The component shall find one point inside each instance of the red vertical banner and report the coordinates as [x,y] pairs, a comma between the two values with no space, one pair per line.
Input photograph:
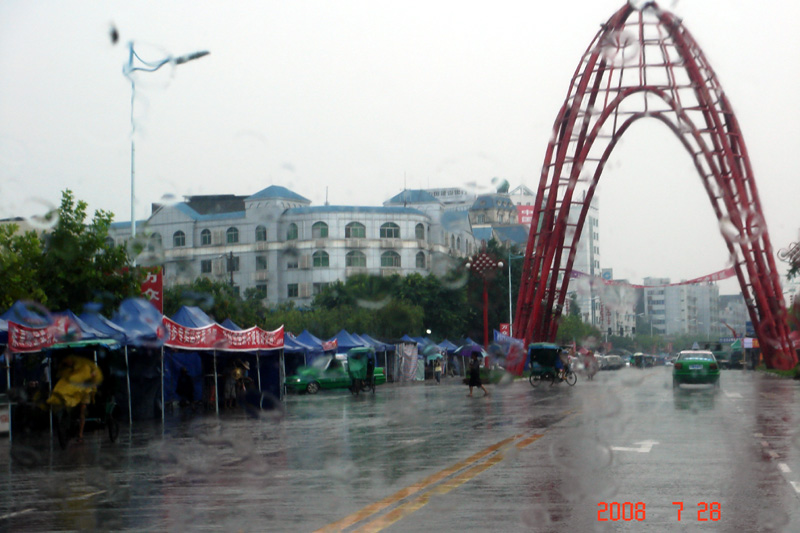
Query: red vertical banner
[153,287]
[505,329]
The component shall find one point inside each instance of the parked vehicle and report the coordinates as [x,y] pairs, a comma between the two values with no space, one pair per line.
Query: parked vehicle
[326,373]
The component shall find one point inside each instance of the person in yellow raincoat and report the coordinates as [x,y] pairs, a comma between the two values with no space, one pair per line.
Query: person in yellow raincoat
[78,379]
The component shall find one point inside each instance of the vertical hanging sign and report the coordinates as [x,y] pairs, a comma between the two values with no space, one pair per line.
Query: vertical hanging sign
[153,287]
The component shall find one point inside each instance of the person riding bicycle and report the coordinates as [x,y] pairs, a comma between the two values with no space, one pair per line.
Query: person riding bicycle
[77,384]
[561,363]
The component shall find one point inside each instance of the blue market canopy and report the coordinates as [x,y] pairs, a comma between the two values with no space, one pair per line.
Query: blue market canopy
[345,341]
[192,317]
[105,326]
[448,346]
[307,338]
[379,346]
[142,323]
[230,324]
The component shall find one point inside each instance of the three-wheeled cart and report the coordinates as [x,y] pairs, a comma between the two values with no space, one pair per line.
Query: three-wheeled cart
[361,369]
[543,357]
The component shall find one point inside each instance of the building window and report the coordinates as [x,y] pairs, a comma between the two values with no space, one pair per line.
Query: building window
[321,259]
[233,263]
[319,287]
[419,232]
[205,266]
[458,244]
[292,290]
[261,290]
[205,237]
[420,260]
[355,230]
[390,260]
[261,234]
[232,236]
[154,242]
[355,259]
[261,262]
[319,230]
[292,262]
[291,232]
[178,239]
[481,219]
[390,230]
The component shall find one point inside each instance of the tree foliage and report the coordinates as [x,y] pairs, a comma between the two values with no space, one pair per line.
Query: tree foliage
[68,266]
[20,259]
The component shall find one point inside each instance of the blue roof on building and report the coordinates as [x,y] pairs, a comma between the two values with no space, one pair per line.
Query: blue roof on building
[413,196]
[482,234]
[488,201]
[194,215]
[353,209]
[455,220]
[518,234]
[276,191]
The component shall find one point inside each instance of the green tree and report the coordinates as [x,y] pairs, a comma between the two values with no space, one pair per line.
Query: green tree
[81,264]
[68,266]
[572,328]
[20,257]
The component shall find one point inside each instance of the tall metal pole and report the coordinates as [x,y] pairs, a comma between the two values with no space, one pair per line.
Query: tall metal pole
[128,70]
[133,152]
[510,314]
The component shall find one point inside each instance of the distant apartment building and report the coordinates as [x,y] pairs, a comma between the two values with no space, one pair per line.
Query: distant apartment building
[277,244]
[675,309]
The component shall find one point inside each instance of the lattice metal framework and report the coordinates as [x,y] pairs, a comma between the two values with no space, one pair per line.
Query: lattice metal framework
[644,63]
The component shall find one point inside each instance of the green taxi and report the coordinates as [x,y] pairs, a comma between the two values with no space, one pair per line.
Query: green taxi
[325,373]
[695,367]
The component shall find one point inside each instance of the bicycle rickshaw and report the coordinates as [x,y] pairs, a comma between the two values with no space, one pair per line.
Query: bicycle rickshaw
[543,360]
[361,369]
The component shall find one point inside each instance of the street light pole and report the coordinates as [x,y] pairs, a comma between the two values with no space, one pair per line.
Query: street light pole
[482,264]
[128,69]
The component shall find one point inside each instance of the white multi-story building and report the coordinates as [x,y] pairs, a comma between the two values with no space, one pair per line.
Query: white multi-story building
[679,309]
[276,243]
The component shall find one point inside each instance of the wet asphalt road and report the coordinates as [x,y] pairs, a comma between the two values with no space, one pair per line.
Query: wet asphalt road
[625,448]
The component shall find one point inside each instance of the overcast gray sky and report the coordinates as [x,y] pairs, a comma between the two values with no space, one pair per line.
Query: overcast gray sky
[357,99]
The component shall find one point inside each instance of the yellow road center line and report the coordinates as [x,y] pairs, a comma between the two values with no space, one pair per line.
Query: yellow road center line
[413,506]
[374,508]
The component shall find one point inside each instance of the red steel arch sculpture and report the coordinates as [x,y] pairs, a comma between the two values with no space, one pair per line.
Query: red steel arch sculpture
[644,63]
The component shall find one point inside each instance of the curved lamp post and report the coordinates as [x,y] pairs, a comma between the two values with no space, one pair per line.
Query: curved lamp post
[146,66]
[483,265]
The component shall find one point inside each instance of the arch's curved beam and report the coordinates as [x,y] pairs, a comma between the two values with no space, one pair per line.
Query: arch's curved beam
[647,65]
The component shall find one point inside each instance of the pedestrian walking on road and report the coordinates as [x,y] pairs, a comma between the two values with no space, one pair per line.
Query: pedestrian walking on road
[437,371]
[475,375]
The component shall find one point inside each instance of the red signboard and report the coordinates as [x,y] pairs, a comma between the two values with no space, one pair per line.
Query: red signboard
[153,287]
[524,214]
[505,329]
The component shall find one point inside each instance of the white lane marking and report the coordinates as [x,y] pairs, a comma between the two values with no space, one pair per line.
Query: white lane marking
[765,444]
[644,447]
[11,515]
[773,454]
[732,394]
[758,435]
[796,486]
[784,468]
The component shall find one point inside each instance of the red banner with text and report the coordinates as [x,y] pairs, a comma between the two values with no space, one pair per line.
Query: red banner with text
[215,337]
